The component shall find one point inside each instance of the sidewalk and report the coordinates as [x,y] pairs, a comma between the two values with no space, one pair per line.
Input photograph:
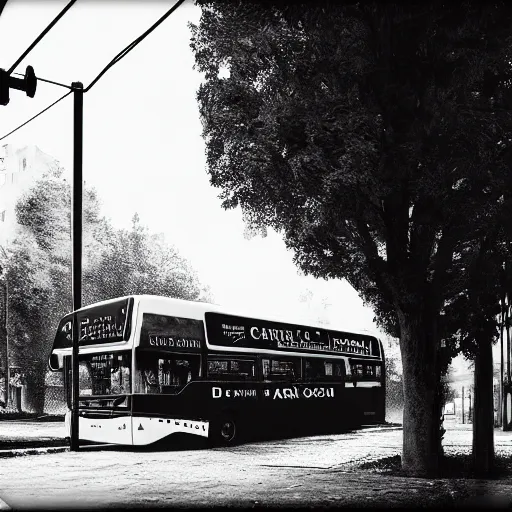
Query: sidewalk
[18,436]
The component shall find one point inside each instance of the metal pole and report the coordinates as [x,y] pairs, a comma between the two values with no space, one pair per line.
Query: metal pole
[78,112]
[5,336]
[502,401]
[7,373]
[463,404]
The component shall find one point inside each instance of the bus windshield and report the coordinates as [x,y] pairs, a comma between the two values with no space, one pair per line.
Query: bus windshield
[105,374]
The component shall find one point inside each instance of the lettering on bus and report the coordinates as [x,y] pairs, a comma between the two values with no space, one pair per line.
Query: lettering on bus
[235,332]
[302,339]
[227,330]
[295,392]
[233,393]
[97,324]
[170,333]
[363,347]
[156,340]
[101,328]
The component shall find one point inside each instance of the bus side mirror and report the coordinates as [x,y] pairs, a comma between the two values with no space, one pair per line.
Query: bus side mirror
[53,362]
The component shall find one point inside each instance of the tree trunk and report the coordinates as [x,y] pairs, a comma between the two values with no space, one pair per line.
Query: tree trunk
[421,422]
[483,424]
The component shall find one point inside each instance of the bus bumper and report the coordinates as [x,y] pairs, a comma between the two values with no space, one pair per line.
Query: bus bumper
[147,430]
[129,430]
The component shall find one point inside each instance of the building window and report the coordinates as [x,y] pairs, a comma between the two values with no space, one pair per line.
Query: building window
[24,163]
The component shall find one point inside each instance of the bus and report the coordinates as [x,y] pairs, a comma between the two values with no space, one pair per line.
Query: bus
[151,367]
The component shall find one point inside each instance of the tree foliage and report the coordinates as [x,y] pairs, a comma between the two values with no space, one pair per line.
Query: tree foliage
[116,262]
[375,137]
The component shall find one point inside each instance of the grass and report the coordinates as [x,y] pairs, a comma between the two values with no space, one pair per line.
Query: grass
[458,465]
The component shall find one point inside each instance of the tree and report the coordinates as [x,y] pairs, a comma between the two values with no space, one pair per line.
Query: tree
[115,263]
[373,136]
[136,261]
[473,323]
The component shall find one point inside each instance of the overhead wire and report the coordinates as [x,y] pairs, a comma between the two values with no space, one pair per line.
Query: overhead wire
[41,35]
[37,115]
[114,61]
[48,81]
[133,44]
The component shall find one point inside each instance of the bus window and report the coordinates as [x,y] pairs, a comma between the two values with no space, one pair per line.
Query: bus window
[104,374]
[366,371]
[231,369]
[316,369]
[165,373]
[281,369]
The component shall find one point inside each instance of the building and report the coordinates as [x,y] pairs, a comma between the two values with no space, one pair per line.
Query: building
[19,169]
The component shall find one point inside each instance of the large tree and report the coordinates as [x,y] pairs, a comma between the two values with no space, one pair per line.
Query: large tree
[115,263]
[373,136]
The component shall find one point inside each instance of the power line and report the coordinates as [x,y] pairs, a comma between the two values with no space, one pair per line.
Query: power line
[48,81]
[40,36]
[37,115]
[133,44]
[116,59]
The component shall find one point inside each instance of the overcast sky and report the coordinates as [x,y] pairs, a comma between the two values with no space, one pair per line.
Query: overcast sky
[143,149]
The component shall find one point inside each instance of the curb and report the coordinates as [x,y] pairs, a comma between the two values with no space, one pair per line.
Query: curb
[19,452]
[375,429]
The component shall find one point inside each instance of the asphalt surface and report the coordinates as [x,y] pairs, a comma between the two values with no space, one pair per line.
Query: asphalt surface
[315,471]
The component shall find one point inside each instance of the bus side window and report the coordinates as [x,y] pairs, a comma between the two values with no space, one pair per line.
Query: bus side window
[316,369]
[339,370]
[231,369]
[265,364]
[281,369]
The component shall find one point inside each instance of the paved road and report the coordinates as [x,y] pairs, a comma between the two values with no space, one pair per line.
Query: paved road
[307,470]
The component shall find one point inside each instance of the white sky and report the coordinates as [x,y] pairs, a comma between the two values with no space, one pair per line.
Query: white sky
[143,149]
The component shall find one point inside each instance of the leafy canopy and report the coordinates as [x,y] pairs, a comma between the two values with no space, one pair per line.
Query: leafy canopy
[374,136]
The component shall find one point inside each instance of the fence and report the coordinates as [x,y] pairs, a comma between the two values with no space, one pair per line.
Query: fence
[54,400]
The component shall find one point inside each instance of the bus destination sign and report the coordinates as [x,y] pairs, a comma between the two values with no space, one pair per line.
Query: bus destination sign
[100,324]
[171,333]
[227,330]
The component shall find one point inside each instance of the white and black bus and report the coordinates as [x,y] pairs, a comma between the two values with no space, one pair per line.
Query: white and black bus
[154,366]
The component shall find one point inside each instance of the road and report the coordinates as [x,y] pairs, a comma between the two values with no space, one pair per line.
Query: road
[311,470]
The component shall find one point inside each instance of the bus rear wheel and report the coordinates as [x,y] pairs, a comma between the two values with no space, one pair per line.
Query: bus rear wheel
[224,431]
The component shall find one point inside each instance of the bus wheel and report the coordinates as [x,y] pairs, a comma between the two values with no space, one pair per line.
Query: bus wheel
[224,431]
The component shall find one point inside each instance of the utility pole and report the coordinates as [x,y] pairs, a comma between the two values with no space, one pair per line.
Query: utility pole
[3,330]
[463,404]
[78,113]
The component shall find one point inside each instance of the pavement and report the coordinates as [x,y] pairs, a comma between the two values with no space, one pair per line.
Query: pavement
[31,437]
[313,471]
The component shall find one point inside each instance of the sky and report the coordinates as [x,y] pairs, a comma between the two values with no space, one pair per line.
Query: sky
[143,150]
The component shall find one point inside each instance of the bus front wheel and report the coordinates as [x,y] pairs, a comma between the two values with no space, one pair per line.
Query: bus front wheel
[224,431]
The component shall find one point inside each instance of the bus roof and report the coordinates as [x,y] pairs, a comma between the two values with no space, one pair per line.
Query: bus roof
[147,302]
